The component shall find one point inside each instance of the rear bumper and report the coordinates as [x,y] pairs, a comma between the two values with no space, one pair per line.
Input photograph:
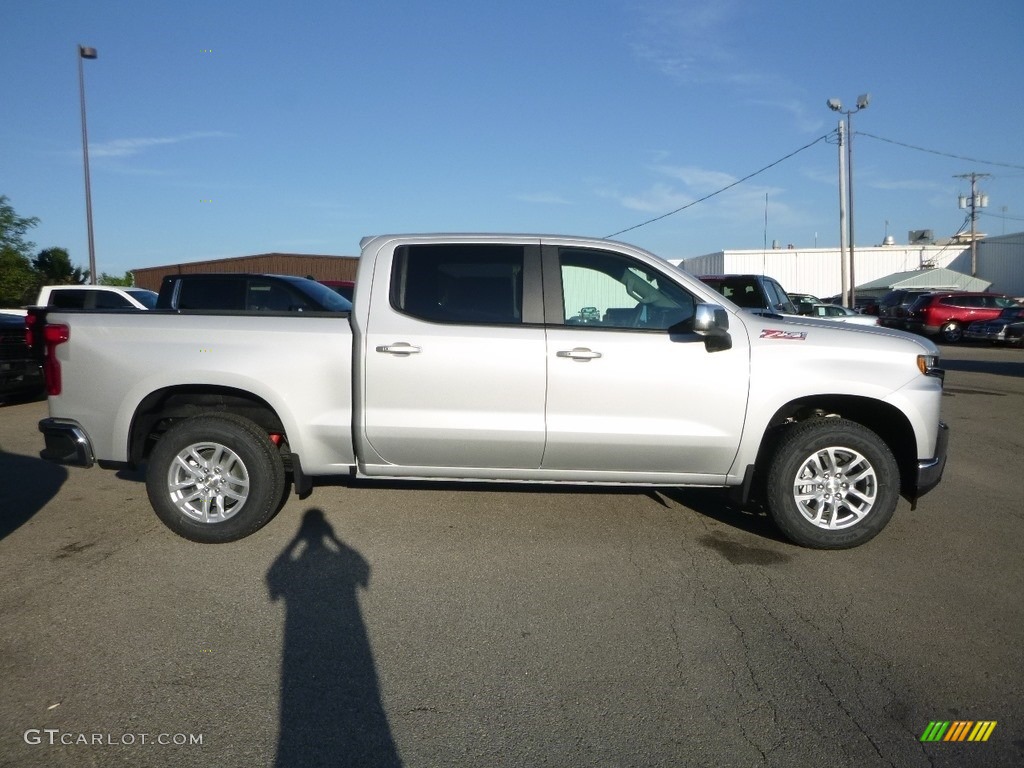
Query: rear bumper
[66,443]
[929,471]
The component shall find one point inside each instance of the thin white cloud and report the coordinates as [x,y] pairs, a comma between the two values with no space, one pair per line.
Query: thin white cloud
[131,147]
[913,185]
[687,184]
[543,198]
[701,179]
[868,179]
[657,199]
[693,42]
[686,40]
[805,120]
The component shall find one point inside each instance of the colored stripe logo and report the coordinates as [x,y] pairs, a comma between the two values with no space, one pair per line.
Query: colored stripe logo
[958,730]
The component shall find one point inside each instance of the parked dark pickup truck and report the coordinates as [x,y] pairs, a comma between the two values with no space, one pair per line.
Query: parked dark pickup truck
[246,292]
[21,374]
[758,293]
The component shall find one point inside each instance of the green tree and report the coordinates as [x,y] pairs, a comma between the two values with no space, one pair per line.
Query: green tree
[53,267]
[17,280]
[127,281]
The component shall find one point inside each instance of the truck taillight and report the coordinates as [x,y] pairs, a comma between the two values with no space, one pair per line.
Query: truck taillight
[53,336]
[30,327]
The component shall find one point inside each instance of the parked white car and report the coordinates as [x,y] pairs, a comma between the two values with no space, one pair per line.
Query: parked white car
[95,297]
[842,314]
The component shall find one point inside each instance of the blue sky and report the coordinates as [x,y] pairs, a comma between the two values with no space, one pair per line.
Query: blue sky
[225,128]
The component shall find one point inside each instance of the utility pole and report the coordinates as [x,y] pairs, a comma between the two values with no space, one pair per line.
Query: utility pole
[977,200]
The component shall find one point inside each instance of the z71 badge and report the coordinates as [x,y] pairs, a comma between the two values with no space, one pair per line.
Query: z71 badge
[784,335]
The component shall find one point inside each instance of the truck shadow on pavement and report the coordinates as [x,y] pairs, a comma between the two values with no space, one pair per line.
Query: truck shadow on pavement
[331,711]
[994,367]
[715,504]
[27,485]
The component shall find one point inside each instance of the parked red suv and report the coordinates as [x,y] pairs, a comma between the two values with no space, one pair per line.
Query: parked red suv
[946,314]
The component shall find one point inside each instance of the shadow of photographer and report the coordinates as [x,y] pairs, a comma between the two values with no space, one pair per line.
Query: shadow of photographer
[27,485]
[331,711]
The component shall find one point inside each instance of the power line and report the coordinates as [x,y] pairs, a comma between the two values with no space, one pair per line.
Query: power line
[943,154]
[723,189]
[988,215]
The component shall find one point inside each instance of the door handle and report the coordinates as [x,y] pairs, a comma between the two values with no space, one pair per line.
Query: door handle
[400,348]
[579,354]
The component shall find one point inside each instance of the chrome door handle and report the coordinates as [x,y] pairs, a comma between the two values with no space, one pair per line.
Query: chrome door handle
[401,348]
[579,354]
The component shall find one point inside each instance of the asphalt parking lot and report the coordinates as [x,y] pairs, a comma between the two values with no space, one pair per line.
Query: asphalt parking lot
[381,625]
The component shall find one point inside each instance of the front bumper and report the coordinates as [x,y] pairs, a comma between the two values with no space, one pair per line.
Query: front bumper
[929,471]
[66,443]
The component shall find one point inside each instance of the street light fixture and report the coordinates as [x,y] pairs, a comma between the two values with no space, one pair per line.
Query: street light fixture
[86,53]
[837,106]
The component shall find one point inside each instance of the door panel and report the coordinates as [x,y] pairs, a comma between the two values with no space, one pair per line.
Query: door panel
[453,377]
[630,387]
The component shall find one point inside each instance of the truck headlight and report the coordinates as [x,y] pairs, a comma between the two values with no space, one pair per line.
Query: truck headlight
[929,366]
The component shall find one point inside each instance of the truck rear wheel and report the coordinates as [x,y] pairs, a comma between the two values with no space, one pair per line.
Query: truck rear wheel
[833,484]
[215,478]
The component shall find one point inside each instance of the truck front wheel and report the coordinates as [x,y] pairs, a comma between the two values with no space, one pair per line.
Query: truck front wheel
[215,478]
[833,484]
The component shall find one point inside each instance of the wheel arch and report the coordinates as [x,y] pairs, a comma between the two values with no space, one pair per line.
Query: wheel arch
[885,420]
[162,408]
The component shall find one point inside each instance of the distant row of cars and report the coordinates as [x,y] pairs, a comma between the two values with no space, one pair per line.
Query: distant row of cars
[951,316]
[761,294]
[954,316]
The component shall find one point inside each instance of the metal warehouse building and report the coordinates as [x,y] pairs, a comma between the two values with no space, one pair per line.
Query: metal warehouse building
[301,265]
[818,271]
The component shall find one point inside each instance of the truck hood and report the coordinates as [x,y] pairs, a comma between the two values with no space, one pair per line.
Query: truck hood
[768,329]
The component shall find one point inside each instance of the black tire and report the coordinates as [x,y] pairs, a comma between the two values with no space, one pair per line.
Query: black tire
[215,478]
[951,332]
[810,494]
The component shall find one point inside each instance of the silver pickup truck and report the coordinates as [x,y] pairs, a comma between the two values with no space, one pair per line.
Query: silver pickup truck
[500,358]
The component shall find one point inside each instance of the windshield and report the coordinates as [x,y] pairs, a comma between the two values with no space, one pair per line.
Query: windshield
[322,295]
[144,297]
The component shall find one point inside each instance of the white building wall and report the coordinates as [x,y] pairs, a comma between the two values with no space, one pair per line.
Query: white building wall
[709,264]
[1001,260]
[818,271]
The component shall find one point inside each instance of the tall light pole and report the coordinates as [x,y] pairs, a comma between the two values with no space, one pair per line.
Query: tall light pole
[844,257]
[837,106]
[86,53]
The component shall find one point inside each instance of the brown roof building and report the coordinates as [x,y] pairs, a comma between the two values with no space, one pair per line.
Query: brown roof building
[301,265]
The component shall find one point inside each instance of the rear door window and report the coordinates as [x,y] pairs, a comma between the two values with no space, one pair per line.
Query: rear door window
[461,283]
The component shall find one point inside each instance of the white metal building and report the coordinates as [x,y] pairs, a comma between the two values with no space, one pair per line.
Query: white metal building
[1001,260]
[818,271]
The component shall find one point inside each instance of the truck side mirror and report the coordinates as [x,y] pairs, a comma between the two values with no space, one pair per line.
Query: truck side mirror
[712,322]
